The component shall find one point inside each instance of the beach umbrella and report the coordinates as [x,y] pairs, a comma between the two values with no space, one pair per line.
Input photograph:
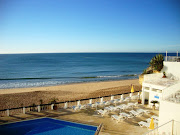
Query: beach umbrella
[151,126]
[132,89]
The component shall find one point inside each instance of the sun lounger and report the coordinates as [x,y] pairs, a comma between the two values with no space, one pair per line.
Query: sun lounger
[110,108]
[116,101]
[130,105]
[144,111]
[140,111]
[107,103]
[125,115]
[149,120]
[136,104]
[82,107]
[117,118]
[134,97]
[122,107]
[155,117]
[127,99]
[75,108]
[143,124]
[102,103]
[102,112]
[134,113]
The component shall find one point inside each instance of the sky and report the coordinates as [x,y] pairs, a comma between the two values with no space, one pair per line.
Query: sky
[47,26]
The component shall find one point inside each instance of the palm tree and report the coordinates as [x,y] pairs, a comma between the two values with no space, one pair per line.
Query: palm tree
[157,62]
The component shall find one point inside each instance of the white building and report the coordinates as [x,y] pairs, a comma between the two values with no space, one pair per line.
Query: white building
[167,92]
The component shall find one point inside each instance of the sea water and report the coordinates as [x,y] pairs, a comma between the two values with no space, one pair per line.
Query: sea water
[46,69]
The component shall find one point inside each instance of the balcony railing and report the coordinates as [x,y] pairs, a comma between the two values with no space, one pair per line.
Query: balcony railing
[169,128]
[172,58]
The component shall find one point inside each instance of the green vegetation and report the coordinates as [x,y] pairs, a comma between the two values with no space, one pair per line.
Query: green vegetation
[156,63]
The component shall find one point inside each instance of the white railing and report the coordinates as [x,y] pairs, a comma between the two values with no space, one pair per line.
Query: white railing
[170,128]
[172,58]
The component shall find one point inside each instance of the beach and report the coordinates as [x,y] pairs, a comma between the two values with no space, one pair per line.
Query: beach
[11,98]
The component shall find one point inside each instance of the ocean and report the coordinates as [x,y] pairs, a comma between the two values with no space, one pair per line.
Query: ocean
[46,69]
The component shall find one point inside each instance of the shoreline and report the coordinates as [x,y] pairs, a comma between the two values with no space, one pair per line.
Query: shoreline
[12,98]
[45,88]
[72,83]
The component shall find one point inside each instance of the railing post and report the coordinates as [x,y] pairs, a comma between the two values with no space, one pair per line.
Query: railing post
[24,110]
[122,96]
[101,100]
[65,105]
[78,103]
[90,101]
[52,105]
[172,126]
[7,112]
[112,97]
[39,108]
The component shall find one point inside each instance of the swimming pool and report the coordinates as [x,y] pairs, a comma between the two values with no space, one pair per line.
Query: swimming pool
[47,126]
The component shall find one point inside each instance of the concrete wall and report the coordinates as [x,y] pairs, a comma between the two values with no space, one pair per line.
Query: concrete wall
[168,111]
[172,68]
[152,95]
[150,77]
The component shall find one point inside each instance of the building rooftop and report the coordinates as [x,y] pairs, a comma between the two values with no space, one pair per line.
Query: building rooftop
[163,82]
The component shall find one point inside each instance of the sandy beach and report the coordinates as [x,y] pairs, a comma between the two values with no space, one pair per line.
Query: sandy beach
[10,98]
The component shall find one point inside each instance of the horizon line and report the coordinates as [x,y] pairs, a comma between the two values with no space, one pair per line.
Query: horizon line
[85,52]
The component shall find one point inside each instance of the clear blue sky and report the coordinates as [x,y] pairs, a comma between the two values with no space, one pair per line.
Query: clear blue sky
[32,26]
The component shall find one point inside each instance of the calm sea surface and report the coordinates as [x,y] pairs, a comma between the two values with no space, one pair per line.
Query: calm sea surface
[32,70]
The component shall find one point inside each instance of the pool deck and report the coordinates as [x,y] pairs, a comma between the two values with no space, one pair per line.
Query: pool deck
[89,116]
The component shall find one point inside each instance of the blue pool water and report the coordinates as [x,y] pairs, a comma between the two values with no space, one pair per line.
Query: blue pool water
[46,126]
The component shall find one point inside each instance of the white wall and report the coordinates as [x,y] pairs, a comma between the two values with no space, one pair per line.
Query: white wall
[168,111]
[172,68]
[150,77]
[152,94]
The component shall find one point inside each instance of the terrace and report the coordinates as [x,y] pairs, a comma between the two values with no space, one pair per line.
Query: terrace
[89,115]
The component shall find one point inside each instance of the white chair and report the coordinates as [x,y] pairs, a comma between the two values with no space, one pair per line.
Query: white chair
[143,124]
[149,120]
[134,97]
[126,116]
[130,105]
[82,107]
[117,118]
[107,103]
[75,108]
[155,117]
[122,107]
[143,111]
[102,112]
[134,113]
[127,99]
